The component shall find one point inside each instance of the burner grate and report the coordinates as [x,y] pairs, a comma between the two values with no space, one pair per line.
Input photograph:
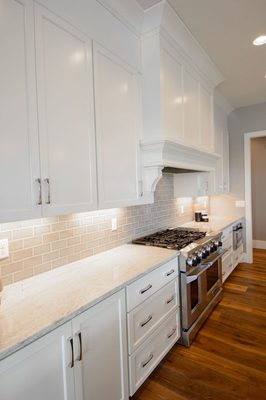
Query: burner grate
[175,239]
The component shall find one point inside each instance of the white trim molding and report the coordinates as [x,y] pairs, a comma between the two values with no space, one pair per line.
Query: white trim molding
[259,244]
[248,192]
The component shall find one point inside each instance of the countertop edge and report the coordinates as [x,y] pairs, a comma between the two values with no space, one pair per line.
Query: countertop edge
[57,323]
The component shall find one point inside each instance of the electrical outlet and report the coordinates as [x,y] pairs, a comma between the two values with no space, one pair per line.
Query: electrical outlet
[182,209]
[4,251]
[240,203]
[114,224]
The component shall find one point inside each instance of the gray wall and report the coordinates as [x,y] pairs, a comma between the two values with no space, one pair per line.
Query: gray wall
[240,121]
[258,178]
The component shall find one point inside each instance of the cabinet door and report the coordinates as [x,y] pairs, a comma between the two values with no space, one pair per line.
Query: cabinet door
[19,149]
[222,148]
[206,119]
[66,115]
[118,124]
[41,370]
[100,345]
[172,102]
[191,109]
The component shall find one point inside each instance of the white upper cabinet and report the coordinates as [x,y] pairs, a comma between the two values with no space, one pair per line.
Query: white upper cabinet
[19,149]
[66,115]
[118,124]
[222,148]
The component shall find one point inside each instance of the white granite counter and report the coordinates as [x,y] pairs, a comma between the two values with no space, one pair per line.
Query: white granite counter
[215,223]
[35,306]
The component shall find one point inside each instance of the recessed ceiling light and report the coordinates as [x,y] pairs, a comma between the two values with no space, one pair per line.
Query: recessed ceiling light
[260,40]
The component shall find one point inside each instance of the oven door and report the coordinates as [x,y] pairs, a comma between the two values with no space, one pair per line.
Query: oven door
[192,297]
[213,278]
[199,287]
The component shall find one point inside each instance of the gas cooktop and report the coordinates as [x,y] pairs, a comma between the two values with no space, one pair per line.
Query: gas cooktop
[175,239]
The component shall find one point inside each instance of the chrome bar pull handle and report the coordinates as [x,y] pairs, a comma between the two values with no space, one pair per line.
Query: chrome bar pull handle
[145,289]
[171,333]
[170,272]
[141,188]
[146,321]
[47,181]
[39,182]
[71,365]
[170,300]
[80,347]
[144,363]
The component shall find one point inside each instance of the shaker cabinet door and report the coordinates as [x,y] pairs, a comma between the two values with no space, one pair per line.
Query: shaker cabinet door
[19,149]
[41,370]
[101,351]
[118,123]
[66,115]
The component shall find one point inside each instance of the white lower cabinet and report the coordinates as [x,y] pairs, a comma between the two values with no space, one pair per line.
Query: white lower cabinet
[147,357]
[83,359]
[101,351]
[232,257]
[40,371]
[153,321]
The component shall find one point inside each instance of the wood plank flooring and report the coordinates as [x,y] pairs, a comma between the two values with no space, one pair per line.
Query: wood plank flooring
[227,360]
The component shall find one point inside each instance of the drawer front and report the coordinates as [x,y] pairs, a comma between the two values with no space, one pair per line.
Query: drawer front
[227,233]
[144,287]
[238,255]
[228,245]
[143,361]
[227,266]
[144,319]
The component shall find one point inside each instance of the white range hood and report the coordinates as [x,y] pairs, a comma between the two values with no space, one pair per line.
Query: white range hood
[164,36]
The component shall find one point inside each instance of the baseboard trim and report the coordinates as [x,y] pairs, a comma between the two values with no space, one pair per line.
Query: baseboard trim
[259,244]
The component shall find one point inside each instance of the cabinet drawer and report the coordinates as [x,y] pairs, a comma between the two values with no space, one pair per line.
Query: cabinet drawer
[227,266]
[147,357]
[227,233]
[144,287]
[145,318]
[228,246]
[238,255]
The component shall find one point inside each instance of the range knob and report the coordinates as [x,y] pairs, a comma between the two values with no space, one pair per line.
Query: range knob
[199,256]
[189,261]
[213,246]
[205,252]
[208,249]
[192,261]
[218,243]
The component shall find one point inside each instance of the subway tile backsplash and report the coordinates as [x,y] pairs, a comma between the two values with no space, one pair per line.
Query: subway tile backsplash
[39,245]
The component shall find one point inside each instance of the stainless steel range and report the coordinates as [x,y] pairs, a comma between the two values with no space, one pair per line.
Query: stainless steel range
[200,273]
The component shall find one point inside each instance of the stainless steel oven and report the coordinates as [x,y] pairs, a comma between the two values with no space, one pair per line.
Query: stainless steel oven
[201,289]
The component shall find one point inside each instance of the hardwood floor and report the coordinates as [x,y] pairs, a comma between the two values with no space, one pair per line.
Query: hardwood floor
[227,360]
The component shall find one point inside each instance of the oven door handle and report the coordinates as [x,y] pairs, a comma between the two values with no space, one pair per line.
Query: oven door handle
[194,277]
[204,267]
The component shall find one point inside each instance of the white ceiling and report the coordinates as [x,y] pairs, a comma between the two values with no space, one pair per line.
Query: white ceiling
[226,29]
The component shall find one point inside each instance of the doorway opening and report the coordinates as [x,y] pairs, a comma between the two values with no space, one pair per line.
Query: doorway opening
[248,191]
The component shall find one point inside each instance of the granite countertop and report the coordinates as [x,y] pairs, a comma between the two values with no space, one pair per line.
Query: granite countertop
[35,306]
[216,223]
